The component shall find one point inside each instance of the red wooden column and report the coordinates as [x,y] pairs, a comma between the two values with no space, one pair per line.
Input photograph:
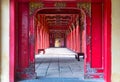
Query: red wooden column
[36,43]
[68,40]
[47,39]
[31,49]
[72,44]
[76,41]
[74,38]
[78,36]
[31,40]
[88,38]
[71,40]
[36,39]
[13,48]
[43,38]
[23,39]
[40,37]
[25,59]
[107,40]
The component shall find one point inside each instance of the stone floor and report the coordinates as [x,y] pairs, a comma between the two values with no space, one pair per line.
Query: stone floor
[59,65]
[60,80]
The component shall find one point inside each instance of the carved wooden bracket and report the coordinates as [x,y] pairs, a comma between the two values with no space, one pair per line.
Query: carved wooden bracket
[60,4]
[86,7]
[34,5]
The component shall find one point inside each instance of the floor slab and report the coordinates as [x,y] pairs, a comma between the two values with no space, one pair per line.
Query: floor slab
[60,63]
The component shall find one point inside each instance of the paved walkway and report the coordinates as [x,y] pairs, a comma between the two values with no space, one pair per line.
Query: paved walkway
[60,80]
[59,65]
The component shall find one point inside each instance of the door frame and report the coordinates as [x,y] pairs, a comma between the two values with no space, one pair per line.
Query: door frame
[107,38]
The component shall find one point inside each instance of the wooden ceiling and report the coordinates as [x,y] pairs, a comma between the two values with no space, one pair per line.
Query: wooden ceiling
[58,21]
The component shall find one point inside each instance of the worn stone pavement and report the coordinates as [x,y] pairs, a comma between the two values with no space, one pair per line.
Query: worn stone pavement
[59,65]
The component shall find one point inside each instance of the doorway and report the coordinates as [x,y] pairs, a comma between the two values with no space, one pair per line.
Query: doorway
[91,70]
[61,33]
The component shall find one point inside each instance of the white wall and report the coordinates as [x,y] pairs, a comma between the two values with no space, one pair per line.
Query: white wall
[4,40]
[115,40]
[0,40]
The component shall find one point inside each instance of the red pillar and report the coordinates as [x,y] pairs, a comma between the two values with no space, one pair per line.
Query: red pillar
[74,39]
[43,38]
[78,38]
[12,41]
[23,37]
[25,44]
[40,37]
[71,40]
[36,39]
[88,38]
[73,32]
[68,40]
[107,39]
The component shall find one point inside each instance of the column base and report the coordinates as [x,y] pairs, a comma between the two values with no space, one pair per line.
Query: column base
[93,73]
[26,73]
